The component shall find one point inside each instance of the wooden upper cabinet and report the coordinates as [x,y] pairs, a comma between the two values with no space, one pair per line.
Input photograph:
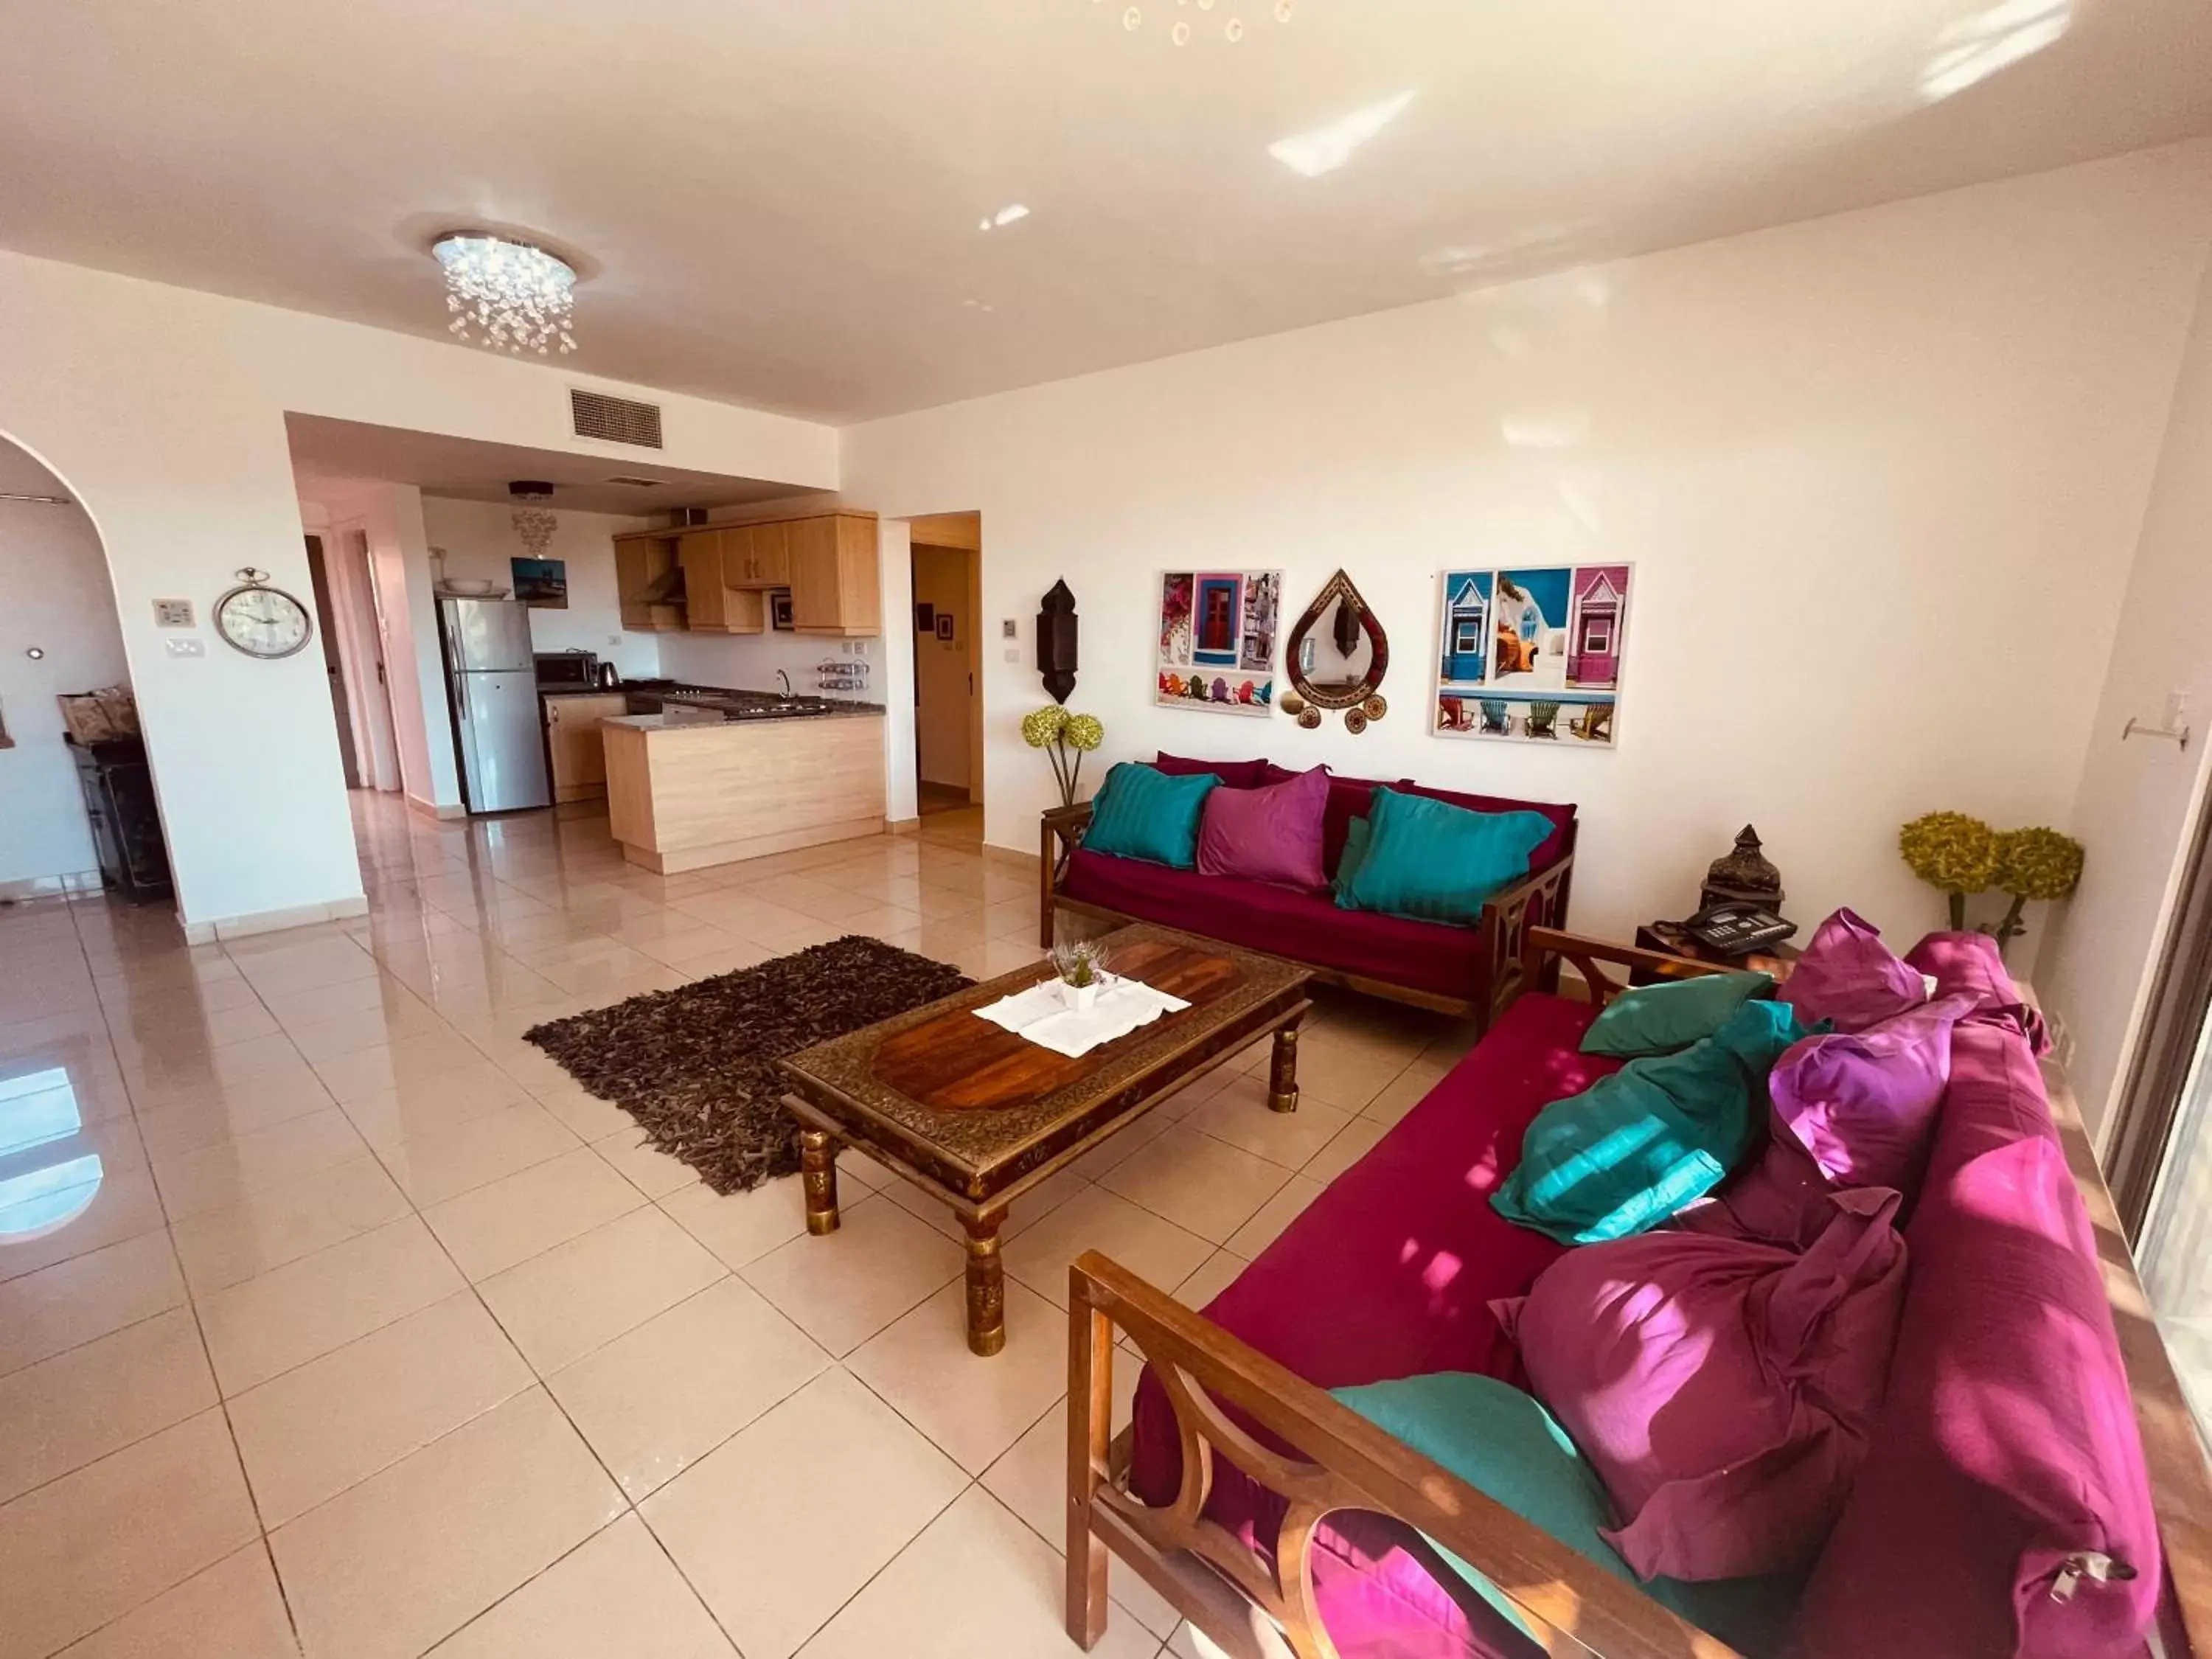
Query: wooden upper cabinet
[701,552]
[771,554]
[833,587]
[640,563]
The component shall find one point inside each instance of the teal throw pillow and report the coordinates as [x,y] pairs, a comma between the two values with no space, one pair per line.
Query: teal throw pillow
[1504,1444]
[1141,812]
[1659,1134]
[1349,860]
[1657,1019]
[1433,861]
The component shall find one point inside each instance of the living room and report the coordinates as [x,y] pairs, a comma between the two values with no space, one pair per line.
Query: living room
[1829,395]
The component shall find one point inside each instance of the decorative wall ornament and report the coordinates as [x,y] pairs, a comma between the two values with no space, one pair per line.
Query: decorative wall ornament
[1056,639]
[505,294]
[1531,653]
[1216,640]
[1337,658]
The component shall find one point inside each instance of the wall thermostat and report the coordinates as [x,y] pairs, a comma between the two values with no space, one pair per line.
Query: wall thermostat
[173,613]
[1010,629]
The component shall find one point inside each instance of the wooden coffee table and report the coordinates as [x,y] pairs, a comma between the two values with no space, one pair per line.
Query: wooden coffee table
[976,1116]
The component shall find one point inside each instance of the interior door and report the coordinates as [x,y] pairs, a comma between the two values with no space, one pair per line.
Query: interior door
[333,668]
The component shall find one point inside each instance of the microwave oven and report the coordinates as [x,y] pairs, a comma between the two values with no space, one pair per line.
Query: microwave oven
[567,671]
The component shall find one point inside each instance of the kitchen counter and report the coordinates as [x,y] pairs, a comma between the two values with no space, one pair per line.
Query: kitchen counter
[676,714]
[692,786]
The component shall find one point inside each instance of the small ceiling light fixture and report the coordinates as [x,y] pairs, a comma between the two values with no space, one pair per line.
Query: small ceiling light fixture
[508,294]
[534,524]
[1182,31]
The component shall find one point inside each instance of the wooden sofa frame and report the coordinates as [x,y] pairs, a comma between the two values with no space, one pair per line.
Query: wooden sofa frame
[1508,916]
[1255,1610]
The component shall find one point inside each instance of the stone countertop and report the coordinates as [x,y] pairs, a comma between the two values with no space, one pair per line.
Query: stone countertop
[682,717]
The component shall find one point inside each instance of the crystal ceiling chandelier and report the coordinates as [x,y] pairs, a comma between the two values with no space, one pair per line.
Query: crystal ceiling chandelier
[508,294]
[1183,29]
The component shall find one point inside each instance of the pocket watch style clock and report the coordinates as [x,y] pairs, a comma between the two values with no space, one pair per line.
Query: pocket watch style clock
[262,621]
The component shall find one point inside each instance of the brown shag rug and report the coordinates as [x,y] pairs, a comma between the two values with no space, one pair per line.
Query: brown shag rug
[695,1067]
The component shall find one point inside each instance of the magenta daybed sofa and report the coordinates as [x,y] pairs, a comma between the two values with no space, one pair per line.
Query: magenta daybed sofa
[2003,1510]
[1465,970]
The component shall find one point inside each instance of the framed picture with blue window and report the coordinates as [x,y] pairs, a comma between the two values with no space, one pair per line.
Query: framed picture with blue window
[1531,653]
[1216,640]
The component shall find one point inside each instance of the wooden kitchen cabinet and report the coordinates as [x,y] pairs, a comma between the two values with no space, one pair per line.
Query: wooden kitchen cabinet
[833,587]
[713,561]
[756,556]
[578,752]
[640,562]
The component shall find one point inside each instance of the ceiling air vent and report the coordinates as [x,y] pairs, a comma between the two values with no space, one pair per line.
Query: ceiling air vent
[634,481]
[615,420]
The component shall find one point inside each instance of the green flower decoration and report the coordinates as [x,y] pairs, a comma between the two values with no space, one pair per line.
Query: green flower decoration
[1085,732]
[2037,864]
[1950,851]
[1041,727]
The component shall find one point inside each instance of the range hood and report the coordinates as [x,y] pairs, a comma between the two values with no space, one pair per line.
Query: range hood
[667,589]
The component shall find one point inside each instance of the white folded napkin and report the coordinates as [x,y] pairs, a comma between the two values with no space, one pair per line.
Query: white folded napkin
[1041,1016]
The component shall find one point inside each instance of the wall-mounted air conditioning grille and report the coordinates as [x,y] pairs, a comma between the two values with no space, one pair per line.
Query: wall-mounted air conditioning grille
[615,420]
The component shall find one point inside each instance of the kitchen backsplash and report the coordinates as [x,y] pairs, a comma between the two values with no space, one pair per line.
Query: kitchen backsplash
[748,662]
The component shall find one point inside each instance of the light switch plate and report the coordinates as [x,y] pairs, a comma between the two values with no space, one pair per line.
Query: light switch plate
[1010,629]
[1014,653]
[191,648]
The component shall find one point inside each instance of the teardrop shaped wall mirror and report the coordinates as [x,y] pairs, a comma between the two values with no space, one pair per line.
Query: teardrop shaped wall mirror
[1337,657]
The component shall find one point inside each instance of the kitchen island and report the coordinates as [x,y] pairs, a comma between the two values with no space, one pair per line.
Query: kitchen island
[693,787]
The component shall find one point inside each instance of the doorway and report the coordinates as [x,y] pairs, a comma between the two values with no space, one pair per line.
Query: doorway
[333,668]
[947,553]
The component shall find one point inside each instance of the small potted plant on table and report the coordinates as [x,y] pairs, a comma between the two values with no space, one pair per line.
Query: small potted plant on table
[1082,967]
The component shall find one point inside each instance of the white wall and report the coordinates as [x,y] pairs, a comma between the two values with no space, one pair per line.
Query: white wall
[1880,476]
[2136,796]
[748,662]
[480,539]
[163,412]
[54,597]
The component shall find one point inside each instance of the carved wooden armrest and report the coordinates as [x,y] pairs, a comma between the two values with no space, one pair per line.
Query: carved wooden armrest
[1586,954]
[1508,914]
[1343,1461]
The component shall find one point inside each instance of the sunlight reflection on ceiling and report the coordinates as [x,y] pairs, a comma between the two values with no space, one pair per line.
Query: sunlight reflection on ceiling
[1327,148]
[1975,48]
[46,1177]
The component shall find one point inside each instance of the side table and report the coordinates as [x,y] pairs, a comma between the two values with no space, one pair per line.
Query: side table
[1668,936]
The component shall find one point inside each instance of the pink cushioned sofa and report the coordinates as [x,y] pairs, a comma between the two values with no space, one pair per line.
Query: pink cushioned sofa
[1465,971]
[2006,1506]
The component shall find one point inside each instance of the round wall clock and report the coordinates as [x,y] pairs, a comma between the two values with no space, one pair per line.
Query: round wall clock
[262,621]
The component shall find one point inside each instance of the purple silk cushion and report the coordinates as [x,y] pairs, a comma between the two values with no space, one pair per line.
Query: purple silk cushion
[1722,1389]
[1850,978]
[2007,1441]
[1970,964]
[1863,1104]
[1234,774]
[1268,834]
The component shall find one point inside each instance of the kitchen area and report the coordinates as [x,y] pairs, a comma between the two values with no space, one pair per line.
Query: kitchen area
[692,771]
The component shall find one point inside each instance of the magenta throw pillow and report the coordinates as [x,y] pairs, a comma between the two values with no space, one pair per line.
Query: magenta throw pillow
[1863,1104]
[1970,964]
[1234,774]
[1850,978]
[1270,833]
[1722,1389]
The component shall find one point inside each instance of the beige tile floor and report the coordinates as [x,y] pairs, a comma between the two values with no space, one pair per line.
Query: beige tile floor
[334,1321]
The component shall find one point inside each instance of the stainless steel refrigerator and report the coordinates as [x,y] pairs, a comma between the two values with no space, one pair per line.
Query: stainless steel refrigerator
[491,683]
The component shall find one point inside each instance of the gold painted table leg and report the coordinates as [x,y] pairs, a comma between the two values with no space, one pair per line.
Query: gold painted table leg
[1283,1072]
[987,1287]
[817,1162]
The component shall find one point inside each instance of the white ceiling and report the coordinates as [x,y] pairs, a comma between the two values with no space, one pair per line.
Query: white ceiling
[324,450]
[776,202]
